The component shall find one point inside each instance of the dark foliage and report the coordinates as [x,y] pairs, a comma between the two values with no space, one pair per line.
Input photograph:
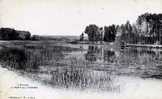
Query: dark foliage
[96,33]
[12,34]
[109,33]
[93,32]
[82,37]
[13,57]
[153,24]
[147,30]
[8,34]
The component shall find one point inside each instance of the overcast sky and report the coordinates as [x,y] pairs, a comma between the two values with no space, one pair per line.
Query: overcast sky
[70,17]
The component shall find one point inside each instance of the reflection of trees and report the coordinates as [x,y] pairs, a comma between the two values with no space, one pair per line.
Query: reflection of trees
[141,62]
[140,56]
[92,53]
[144,62]
[109,56]
[95,53]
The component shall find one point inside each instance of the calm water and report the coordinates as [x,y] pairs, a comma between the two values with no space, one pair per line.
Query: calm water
[81,67]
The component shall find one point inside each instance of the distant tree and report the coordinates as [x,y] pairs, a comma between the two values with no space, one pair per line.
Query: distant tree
[123,29]
[12,34]
[35,37]
[110,33]
[8,34]
[129,33]
[101,36]
[128,27]
[82,37]
[153,26]
[93,32]
[147,29]
[134,29]
[24,35]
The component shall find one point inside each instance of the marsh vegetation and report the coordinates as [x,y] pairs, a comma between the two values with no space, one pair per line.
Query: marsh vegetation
[80,66]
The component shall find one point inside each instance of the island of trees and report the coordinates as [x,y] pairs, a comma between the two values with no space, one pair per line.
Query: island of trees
[146,30]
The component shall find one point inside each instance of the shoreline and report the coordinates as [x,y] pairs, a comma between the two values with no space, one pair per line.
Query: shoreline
[144,45]
[134,88]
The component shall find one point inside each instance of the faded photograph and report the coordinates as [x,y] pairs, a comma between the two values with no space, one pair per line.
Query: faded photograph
[80,49]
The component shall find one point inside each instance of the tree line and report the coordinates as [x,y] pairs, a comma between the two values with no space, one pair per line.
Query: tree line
[95,33]
[146,30]
[12,34]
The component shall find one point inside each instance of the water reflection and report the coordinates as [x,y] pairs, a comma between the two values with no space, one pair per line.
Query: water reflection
[142,62]
[47,63]
[99,54]
[93,53]
[140,56]
[109,56]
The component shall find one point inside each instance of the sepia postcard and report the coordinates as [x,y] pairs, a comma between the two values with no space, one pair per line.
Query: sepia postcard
[80,49]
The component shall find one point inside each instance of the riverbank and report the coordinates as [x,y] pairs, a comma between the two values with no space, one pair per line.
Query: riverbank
[144,45]
[14,85]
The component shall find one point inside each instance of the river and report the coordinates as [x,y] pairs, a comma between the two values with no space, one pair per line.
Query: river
[47,71]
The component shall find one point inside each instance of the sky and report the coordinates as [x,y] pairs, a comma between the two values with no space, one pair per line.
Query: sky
[70,17]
